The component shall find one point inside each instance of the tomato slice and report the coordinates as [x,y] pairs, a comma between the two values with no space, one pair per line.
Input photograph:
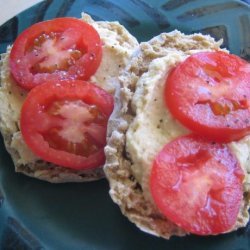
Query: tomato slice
[58,49]
[209,93]
[65,123]
[197,185]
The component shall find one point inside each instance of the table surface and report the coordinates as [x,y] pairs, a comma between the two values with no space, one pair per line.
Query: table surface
[13,7]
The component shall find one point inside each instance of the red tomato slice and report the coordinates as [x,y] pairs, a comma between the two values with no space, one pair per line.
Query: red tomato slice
[197,185]
[65,123]
[209,93]
[59,49]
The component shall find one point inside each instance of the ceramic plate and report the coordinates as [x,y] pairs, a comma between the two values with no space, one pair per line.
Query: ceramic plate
[39,215]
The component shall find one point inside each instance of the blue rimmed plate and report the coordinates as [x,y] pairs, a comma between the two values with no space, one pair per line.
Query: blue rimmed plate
[39,215]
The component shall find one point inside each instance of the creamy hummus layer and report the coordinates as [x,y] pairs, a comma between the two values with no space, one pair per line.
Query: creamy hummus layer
[154,126]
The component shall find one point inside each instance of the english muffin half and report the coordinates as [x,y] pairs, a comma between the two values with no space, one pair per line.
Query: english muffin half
[141,125]
[117,46]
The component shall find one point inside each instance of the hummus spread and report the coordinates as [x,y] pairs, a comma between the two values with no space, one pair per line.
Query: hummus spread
[154,126]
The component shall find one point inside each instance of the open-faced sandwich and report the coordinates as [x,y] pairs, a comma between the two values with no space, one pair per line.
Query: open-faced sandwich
[178,150]
[56,95]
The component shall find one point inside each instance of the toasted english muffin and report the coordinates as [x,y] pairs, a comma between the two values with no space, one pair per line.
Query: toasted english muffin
[136,122]
[118,45]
